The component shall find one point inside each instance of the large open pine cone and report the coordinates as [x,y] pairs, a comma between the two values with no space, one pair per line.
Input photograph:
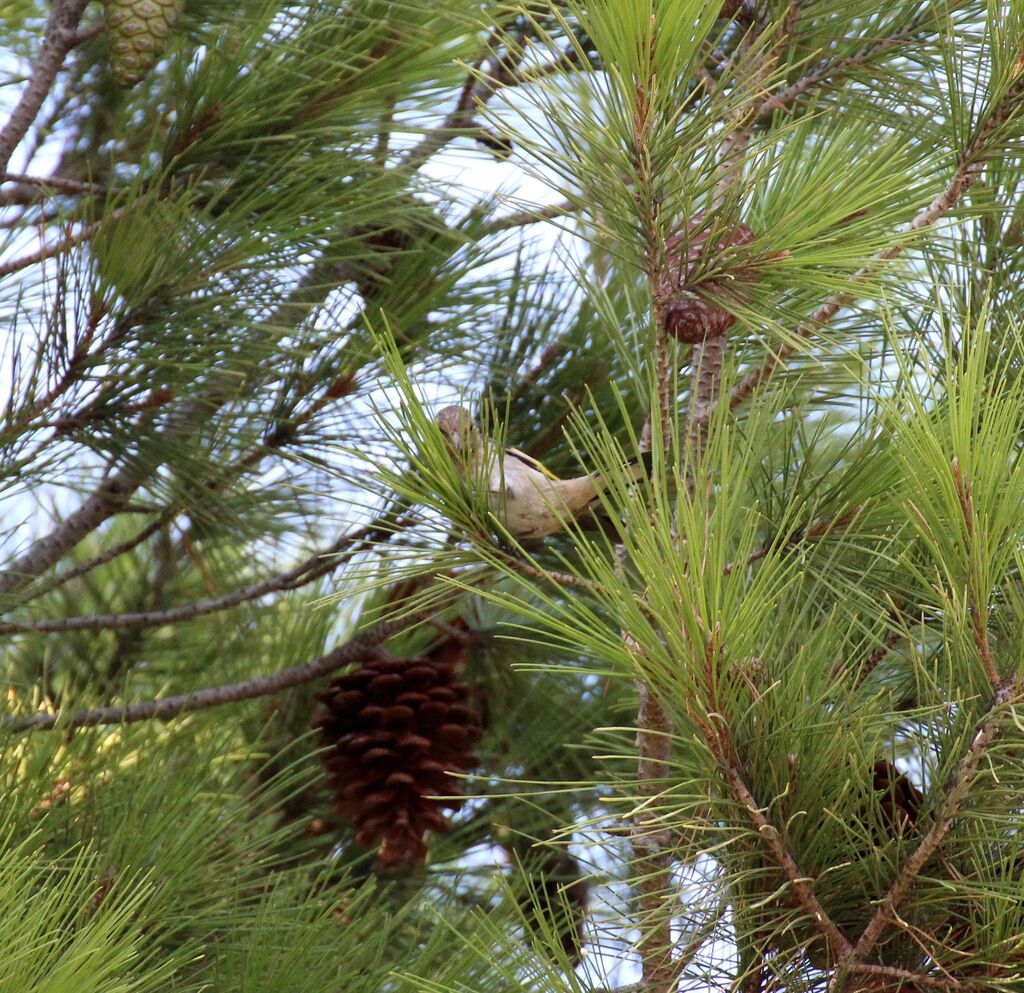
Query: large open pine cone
[395,729]
[688,316]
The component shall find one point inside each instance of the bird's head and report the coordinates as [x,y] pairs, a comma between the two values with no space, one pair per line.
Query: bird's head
[457,428]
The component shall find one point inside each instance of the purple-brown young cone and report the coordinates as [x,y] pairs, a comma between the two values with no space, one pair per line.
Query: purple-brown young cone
[688,316]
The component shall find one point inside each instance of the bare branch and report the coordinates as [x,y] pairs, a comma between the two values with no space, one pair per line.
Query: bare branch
[311,568]
[52,183]
[91,513]
[59,38]
[353,650]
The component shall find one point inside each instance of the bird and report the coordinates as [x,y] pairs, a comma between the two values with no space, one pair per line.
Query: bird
[527,498]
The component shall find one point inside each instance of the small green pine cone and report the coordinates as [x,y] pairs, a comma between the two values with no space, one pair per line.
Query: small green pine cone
[137,32]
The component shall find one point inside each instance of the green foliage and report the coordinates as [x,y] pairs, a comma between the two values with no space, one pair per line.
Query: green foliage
[763,721]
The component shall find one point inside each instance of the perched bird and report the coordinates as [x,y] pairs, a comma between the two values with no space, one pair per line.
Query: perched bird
[528,499]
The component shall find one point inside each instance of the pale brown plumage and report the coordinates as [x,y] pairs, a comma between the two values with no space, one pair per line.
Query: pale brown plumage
[529,500]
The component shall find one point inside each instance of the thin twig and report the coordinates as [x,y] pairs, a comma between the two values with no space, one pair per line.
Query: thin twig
[59,183]
[67,242]
[966,173]
[353,650]
[904,978]
[102,559]
[90,514]
[59,38]
[311,568]
[564,579]
[532,215]
[477,88]
[784,98]
[114,493]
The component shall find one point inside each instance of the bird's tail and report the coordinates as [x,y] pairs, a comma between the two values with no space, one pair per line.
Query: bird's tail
[638,468]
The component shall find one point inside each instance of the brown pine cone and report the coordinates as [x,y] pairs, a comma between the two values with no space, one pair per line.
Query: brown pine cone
[394,729]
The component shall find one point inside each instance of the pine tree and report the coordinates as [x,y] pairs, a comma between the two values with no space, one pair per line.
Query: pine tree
[288,709]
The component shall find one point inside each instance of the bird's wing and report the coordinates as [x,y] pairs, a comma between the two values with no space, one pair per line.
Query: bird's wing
[528,460]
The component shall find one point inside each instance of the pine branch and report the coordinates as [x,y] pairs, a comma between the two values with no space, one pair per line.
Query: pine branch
[109,555]
[353,650]
[475,93]
[316,565]
[784,98]
[798,880]
[64,244]
[971,164]
[59,38]
[108,499]
[114,493]
[821,529]
[522,218]
[709,356]
[900,889]
[47,185]
[902,978]
[650,841]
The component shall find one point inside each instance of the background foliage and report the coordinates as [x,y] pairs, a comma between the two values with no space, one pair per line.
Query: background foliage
[760,734]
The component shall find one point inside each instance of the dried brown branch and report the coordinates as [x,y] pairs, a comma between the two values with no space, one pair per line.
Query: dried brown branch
[59,38]
[956,794]
[968,170]
[353,650]
[319,563]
